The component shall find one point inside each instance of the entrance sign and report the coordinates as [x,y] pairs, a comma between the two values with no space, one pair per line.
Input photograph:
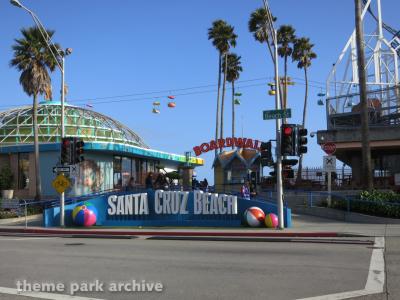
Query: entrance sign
[329,164]
[329,148]
[277,114]
[61,183]
[164,208]
[227,142]
[172,203]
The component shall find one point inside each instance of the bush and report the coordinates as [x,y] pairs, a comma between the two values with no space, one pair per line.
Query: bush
[6,178]
[375,203]
[5,214]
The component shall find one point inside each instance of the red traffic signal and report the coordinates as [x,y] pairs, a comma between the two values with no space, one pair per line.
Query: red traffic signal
[288,139]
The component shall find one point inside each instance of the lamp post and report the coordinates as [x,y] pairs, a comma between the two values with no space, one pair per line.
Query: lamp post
[279,188]
[59,56]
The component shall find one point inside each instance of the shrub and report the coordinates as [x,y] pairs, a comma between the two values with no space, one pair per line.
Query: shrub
[6,178]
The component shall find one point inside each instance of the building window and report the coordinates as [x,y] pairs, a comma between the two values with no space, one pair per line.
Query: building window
[23,171]
[126,171]
[117,172]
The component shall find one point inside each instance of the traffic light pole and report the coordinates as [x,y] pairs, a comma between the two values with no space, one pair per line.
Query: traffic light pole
[279,187]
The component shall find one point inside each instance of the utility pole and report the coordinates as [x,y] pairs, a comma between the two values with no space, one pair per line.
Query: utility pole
[366,173]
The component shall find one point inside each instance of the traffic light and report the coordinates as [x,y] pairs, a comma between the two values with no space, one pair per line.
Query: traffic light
[288,140]
[78,151]
[301,141]
[66,151]
[266,154]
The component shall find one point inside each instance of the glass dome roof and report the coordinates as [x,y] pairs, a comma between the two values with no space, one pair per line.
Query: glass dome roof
[16,126]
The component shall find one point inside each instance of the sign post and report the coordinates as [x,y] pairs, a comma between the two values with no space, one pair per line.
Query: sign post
[329,165]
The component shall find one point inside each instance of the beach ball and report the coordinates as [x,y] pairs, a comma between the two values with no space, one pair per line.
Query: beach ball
[271,221]
[254,216]
[84,214]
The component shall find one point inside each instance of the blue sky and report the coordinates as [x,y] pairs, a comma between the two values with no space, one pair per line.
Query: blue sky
[136,47]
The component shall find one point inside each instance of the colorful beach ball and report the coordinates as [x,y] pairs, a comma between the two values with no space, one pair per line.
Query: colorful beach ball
[271,221]
[85,214]
[254,216]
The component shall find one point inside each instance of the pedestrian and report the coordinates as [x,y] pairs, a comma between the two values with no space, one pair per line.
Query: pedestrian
[205,185]
[149,181]
[245,191]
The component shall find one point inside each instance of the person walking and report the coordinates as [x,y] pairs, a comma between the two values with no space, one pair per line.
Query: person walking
[245,191]
[149,181]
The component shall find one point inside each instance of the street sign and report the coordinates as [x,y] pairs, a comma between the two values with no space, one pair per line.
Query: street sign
[61,183]
[329,148]
[61,169]
[329,164]
[277,114]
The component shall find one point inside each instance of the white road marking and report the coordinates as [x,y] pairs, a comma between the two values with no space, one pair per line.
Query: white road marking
[40,295]
[375,280]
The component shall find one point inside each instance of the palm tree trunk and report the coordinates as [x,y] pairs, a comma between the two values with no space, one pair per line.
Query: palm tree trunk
[223,99]
[298,179]
[38,194]
[217,118]
[285,85]
[366,173]
[233,113]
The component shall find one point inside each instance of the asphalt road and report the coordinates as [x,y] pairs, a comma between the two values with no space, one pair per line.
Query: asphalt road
[187,269]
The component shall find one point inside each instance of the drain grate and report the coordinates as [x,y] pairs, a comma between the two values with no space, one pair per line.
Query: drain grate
[74,244]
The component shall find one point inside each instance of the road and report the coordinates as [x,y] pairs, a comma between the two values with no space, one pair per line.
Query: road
[188,269]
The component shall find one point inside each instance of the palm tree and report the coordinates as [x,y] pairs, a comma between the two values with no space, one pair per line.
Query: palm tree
[286,37]
[33,59]
[233,70]
[257,25]
[303,54]
[223,37]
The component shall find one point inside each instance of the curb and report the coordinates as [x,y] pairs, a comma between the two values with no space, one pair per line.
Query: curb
[127,234]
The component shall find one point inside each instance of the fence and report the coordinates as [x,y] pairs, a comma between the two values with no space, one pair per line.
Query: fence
[349,202]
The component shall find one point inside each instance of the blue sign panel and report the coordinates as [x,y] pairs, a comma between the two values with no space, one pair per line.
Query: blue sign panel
[163,208]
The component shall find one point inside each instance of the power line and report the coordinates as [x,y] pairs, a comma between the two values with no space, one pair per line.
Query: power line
[156,94]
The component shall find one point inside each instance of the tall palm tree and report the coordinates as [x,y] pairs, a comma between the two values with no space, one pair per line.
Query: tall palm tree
[223,37]
[303,54]
[257,25]
[33,59]
[286,37]
[233,68]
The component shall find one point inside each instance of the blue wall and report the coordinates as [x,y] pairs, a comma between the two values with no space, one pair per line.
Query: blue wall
[51,215]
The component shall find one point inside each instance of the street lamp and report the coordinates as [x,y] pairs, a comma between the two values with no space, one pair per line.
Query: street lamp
[59,56]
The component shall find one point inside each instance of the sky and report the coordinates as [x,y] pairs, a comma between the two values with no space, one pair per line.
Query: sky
[128,54]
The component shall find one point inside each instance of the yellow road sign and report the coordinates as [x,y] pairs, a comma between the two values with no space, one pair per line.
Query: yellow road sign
[61,183]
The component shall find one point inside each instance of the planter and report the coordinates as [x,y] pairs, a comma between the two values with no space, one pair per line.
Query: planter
[7,194]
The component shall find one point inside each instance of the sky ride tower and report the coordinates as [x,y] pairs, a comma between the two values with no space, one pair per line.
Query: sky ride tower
[382,52]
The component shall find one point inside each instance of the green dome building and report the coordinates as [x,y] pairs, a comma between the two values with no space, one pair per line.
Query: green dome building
[113,153]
